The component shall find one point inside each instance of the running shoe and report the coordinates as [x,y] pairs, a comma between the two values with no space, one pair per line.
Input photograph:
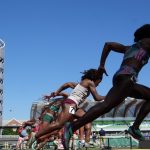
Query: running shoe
[67,135]
[40,145]
[81,145]
[87,145]
[34,145]
[31,140]
[136,133]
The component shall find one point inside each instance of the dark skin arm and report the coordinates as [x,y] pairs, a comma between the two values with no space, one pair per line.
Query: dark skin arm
[92,89]
[29,123]
[94,92]
[65,86]
[47,97]
[62,88]
[117,47]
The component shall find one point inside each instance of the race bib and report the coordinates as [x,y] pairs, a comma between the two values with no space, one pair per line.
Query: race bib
[71,110]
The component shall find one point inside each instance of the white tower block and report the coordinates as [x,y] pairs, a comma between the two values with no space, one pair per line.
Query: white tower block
[2,45]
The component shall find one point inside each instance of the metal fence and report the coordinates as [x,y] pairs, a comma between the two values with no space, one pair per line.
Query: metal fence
[107,142]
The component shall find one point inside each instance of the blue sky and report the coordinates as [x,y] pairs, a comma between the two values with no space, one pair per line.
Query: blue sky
[49,42]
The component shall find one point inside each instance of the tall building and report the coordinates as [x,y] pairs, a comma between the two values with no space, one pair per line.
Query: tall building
[2,45]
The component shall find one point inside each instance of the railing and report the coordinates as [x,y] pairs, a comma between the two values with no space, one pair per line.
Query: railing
[9,141]
[9,136]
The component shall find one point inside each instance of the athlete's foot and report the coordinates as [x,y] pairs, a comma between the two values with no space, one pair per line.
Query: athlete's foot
[34,145]
[136,133]
[87,145]
[41,145]
[67,135]
[81,145]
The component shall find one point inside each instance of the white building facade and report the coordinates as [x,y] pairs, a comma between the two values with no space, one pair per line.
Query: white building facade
[2,45]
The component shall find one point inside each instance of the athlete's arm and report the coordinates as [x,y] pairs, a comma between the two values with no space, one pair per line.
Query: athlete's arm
[65,95]
[66,86]
[53,94]
[59,91]
[117,47]
[94,92]
[29,123]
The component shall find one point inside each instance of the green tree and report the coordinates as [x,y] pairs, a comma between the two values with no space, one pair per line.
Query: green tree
[9,131]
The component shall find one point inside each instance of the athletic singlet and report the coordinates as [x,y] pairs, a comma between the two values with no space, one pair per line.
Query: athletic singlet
[79,94]
[54,108]
[137,52]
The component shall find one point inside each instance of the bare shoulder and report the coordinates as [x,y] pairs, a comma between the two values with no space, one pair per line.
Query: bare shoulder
[91,83]
[72,84]
[87,83]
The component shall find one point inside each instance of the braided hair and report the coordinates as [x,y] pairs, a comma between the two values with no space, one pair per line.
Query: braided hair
[142,32]
[91,74]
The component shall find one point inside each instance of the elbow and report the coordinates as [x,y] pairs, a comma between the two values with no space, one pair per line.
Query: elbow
[108,45]
[97,99]
[100,98]
[66,85]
